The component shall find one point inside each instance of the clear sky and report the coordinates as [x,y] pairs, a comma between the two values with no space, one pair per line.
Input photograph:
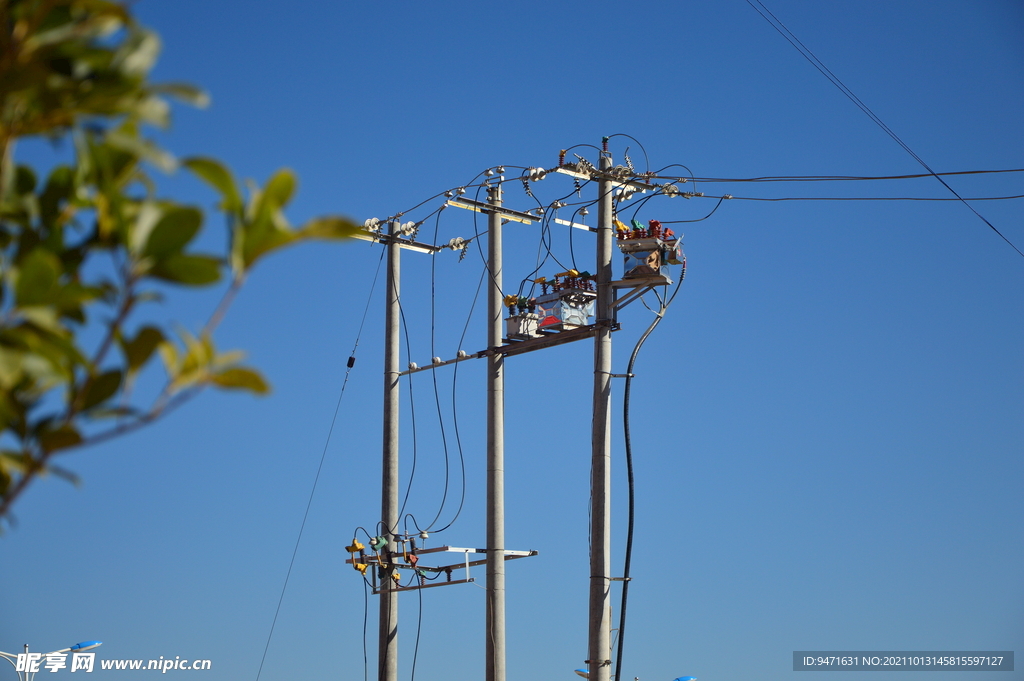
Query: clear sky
[827,427]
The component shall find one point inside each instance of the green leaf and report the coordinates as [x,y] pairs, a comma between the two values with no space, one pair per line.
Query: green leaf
[257,244]
[218,177]
[59,438]
[280,188]
[183,92]
[139,349]
[173,232]
[329,227]
[37,278]
[241,378]
[100,389]
[59,188]
[191,270]
[24,180]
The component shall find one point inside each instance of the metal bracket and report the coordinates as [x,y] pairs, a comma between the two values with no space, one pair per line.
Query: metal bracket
[403,243]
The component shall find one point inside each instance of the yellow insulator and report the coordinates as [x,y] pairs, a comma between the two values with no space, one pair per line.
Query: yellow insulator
[511,299]
[356,546]
[620,226]
[568,273]
[361,567]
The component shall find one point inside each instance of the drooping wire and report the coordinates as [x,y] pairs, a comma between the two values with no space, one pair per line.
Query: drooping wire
[412,418]
[629,475]
[419,626]
[647,160]
[806,53]
[455,411]
[366,608]
[351,363]
[676,222]
[433,375]
[833,178]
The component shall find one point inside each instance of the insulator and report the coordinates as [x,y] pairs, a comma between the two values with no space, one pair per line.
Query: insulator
[436,360]
[413,366]
[462,354]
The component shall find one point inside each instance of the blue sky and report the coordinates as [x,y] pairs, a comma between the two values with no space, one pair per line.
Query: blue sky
[827,426]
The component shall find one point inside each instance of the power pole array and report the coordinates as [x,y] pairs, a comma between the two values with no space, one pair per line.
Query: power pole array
[554,318]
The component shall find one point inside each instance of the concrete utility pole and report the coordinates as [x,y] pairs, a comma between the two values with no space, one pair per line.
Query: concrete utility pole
[387,651]
[495,450]
[598,640]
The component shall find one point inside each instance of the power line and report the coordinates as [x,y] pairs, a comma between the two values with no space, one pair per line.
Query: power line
[337,407]
[824,70]
[837,178]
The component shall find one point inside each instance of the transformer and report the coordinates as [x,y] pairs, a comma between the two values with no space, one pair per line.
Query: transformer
[647,253]
[522,326]
[565,309]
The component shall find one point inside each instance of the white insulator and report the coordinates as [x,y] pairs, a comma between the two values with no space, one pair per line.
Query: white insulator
[413,366]
[462,354]
[436,360]
[456,243]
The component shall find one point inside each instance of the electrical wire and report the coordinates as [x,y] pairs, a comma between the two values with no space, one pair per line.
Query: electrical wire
[433,375]
[412,418]
[419,626]
[832,178]
[316,479]
[784,31]
[629,475]
[366,609]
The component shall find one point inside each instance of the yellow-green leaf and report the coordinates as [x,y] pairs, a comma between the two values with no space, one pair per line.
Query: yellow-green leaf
[241,378]
[217,176]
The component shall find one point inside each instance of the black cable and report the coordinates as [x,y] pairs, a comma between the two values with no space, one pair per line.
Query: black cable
[676,222]
[629,475]
[419,625]
[316,479]
[832,178]
[412,417]
[433,374]
[647,160]
[366,608]
[631,492]
[825,71]
[860,198]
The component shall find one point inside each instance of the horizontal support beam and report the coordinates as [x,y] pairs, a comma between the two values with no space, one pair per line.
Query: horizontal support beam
[616,182]
[481,207]
[377,592]
[402,243]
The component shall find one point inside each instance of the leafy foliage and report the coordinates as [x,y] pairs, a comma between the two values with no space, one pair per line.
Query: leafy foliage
[82,249]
